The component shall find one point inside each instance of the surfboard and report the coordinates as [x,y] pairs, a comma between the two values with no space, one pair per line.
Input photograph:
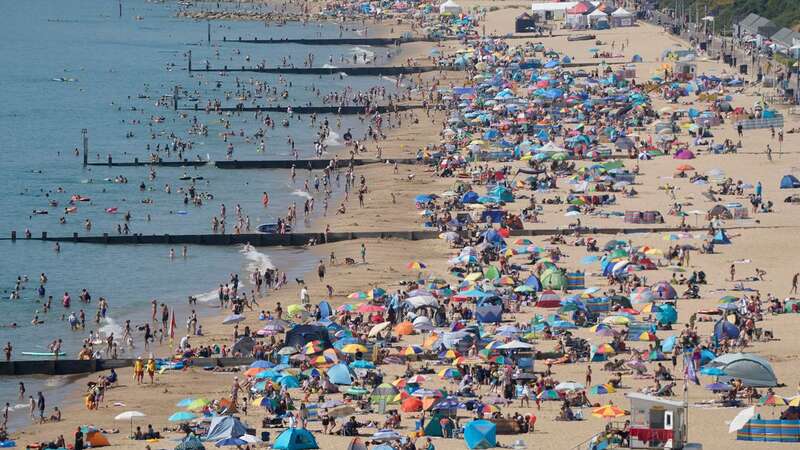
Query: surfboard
[42,354]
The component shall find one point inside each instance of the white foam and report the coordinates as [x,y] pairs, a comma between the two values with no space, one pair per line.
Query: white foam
[328,66]
[359,52]
[257,260]
[206,297]
[333,139]
[301,193]
[111,326]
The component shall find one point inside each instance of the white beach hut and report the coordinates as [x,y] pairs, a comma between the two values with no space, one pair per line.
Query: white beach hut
[622,18]
[596,17]
[450,7]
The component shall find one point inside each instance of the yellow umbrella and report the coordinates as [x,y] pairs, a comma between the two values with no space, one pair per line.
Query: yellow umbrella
[294,309]
[354,348]
[474,276]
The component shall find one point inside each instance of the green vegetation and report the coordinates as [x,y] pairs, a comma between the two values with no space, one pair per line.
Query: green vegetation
[785,13]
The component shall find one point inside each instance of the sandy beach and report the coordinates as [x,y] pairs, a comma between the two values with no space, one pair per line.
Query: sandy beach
[765,242]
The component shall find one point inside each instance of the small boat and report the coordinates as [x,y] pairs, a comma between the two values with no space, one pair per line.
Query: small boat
[272,228]
[581,37]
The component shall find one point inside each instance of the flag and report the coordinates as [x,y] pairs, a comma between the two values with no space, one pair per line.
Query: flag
[689,371]
[172,326]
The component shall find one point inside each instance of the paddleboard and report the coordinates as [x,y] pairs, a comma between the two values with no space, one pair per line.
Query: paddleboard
[43,354]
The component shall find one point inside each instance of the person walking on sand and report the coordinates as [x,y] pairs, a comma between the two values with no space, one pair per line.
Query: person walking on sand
[151,369]
[321,270]
[363,253]
[138,370]
[794,283]
[733,272]
[588,376]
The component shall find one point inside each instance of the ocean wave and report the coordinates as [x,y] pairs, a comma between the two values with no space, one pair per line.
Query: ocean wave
[333,139]
[328,66]
[301,193]
[360,51]
[256,260]
[111,326]
[207,297]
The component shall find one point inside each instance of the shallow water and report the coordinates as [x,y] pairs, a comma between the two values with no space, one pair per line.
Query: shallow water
[110,72]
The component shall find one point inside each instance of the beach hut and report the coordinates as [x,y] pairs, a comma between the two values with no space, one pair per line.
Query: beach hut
[656,423]
[480,434]
[622,18]
[450,7]
[598,19]
[752,369]
[295,439]
[525,23]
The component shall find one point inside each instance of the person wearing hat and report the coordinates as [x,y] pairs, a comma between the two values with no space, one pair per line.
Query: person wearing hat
[138,370]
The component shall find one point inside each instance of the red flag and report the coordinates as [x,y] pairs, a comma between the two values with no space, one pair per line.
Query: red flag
[172,325]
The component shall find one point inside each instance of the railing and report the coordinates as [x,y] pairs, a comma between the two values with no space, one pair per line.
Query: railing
[585,444]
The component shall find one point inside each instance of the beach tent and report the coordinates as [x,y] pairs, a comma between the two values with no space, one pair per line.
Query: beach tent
[684,154]
[622,18]
[525,23]
[434,427]
[450,7]
[636,59]
[723,329]
[753,370]
[597,16]
[95,438]
[720,212]
[789,182]
[325,310]
[224,427]
[534,283]
[480,434]
[489,310]
[384,392]
[721,237]
[299,335]
[470,197]
[295,439]
[340,374]
[553,279]
[191,442]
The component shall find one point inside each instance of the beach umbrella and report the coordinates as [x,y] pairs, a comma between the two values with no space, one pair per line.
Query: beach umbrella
[368,308]
[182,416]
[602,389]
[772,400]
[356,391]
[358,296]
[378,328]
[295,309]
[232,319]
[288,350]
[198,403]
[608,412]
[260,364]
[548,394]
[451,354]
[741,419]
[362,364]
[312,347]
[185,402]
[354,348]
[416,379]
[412,350]
[449,373]
[568,386]
[794,401]
[129,415]
[416,265]
[719,387]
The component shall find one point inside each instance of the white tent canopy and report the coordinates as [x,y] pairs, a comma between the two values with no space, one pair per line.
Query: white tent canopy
[449,7]
[597,14]
[621,12]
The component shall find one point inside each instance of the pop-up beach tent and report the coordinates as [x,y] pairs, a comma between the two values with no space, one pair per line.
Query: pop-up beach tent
[295,439]
[480,434]
[753,370]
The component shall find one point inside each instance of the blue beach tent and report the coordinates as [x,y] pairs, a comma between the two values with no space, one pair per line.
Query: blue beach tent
[295,439]
[480,434]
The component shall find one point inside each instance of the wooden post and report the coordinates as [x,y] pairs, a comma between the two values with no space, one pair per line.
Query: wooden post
[120,8]
[209,32]
[84,134]
[190,60]
[13,235]
[175,98]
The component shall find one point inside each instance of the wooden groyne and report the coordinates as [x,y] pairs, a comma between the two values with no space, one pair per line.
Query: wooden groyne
[315,164]
[302,239]
[350,71]
[342,110]
[374,42]
[79,366]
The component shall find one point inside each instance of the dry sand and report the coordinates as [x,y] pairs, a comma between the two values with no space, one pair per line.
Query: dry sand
[769,243]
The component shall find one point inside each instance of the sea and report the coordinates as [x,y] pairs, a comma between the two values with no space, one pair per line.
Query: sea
[73,65]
